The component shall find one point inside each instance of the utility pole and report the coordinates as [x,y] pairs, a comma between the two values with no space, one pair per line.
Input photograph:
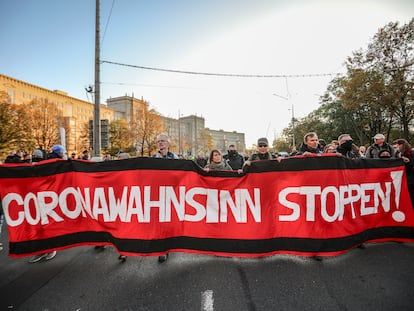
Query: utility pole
[293,126]
[97,111]
[293,116]
[179,132]
[195,135]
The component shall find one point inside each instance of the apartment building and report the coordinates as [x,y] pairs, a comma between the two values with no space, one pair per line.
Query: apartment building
[188,134]
[126,107]
[76,112]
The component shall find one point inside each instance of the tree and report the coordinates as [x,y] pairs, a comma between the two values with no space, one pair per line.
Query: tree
[389,59]
[281,144]
[152,127]
[205,141]
[375,95]
[83,143]
[146,127]
[343,111]
[14,125]
[364,96]
[44,121]
[120,136]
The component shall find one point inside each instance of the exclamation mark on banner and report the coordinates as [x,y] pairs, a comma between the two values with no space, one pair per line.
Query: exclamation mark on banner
[396,176]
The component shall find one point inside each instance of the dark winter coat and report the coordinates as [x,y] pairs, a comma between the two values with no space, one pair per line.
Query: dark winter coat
[374,150]
[235,160]
[304,148]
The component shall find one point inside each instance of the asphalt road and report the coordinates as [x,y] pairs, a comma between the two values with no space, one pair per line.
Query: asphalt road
[379,277]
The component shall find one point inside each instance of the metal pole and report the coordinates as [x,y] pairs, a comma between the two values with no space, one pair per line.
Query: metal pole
[293,127]
[179,133]
[97,112]
[195,135]
[293,116]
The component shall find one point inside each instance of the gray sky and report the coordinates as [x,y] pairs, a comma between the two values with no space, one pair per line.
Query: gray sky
[50,43]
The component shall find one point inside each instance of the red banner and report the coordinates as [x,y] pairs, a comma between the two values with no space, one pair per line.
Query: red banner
[144,206]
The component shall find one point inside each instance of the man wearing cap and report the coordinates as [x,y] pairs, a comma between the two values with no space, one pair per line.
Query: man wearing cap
[379,144]
[37,155]
[262,152]
[58,152]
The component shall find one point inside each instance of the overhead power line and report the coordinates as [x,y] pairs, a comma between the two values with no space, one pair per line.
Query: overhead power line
[107,22]
[151,85]
[311,75]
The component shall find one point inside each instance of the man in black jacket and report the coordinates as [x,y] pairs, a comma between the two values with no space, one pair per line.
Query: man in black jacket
[14,157]
[347,147]
[58,152]
[233,158]
[310,144]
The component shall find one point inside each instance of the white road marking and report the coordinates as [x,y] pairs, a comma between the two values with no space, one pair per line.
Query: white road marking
[207,300]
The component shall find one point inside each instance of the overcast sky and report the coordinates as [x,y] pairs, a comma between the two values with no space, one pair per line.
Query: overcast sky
[302,44]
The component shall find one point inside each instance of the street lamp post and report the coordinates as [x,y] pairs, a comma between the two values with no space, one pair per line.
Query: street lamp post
[293,126]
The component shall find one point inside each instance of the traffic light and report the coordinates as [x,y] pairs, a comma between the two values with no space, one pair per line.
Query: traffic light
[91,134]
[104,133]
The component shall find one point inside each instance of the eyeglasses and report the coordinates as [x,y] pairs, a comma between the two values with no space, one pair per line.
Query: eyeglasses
[161,141]
[262,145]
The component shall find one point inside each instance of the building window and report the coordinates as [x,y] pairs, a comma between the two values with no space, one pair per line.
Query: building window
[10,92]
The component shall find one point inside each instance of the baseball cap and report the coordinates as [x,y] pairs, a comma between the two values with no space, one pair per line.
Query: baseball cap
[262,141]
[37,154]
[58,149]
[379,136]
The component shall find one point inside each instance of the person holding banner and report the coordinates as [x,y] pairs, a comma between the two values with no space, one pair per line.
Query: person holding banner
[379,144]
[406,153]
[58,152]
[1,223]
[347,147]
[310,145]
[216,162]
[163,143]
[233,158]
[262,152]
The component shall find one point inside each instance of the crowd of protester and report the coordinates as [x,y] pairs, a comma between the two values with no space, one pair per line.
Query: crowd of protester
[233,160]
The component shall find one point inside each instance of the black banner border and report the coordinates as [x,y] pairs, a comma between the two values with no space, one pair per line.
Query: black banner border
[213,245]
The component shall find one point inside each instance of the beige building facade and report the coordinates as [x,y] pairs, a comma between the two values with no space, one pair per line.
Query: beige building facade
[126,107]
[223,139]
[76,112]
[188,134]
